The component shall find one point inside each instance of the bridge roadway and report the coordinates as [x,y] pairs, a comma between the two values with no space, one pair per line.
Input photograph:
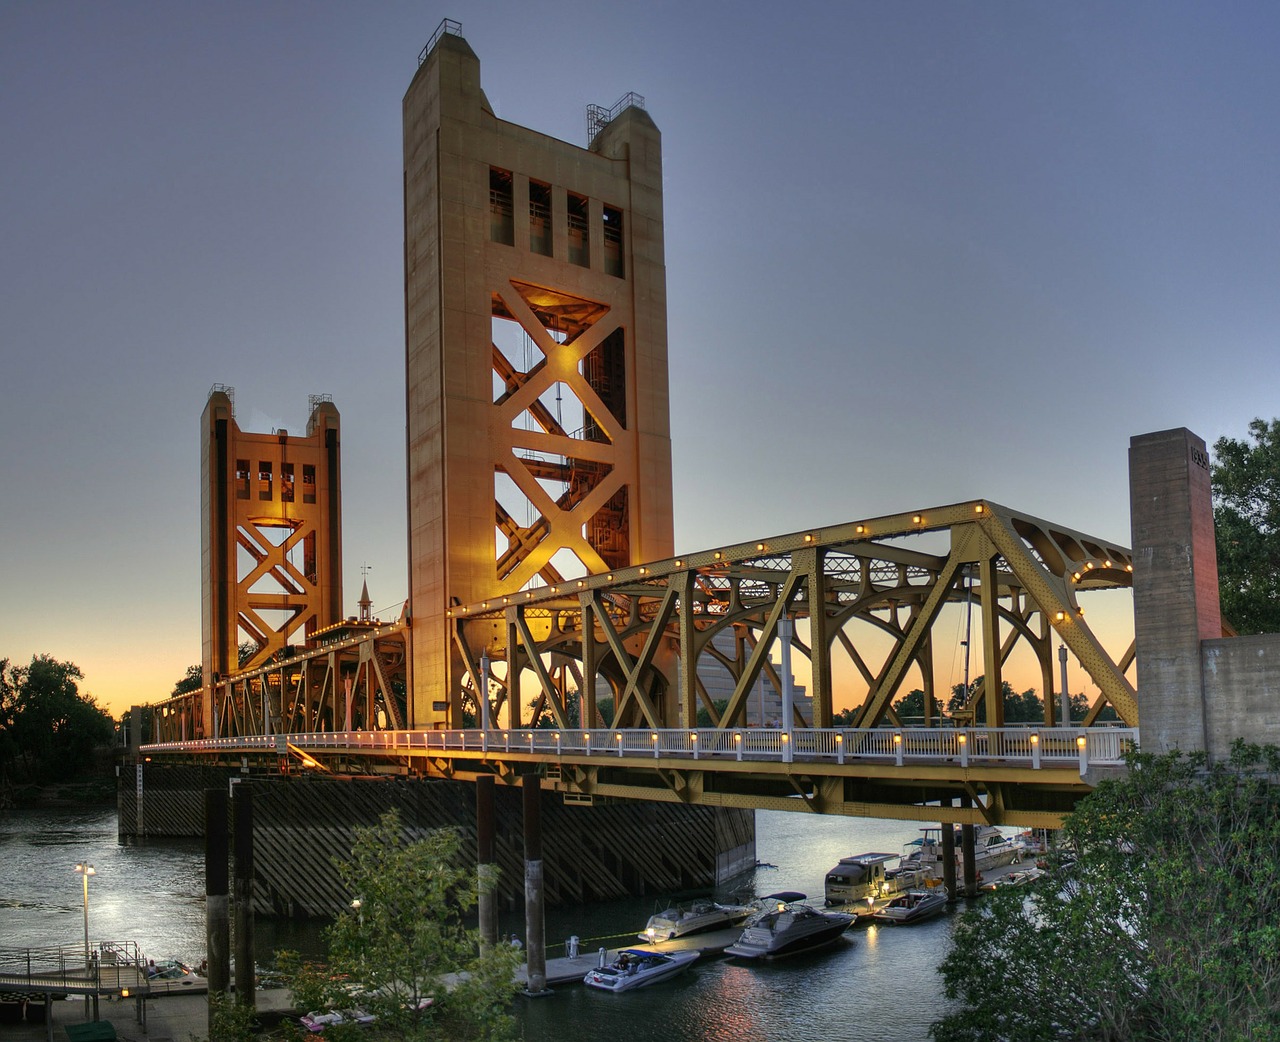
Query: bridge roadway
[1024,776]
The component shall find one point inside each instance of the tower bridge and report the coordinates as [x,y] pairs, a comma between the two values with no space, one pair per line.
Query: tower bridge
[552,633]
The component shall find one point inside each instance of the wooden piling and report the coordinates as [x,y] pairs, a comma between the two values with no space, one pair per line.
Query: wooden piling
[217,925]
[534,912]
[242,896]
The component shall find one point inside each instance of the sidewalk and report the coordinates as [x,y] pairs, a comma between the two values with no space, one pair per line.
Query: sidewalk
[170,1018]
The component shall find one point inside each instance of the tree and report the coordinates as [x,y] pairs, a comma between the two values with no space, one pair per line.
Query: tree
[1246,514]
[1164,927]
[405,950]
[192,680]
[51,729]
[910,708]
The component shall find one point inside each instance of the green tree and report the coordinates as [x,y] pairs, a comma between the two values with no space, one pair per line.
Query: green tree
[51,729]
[1246,514]
[405,950]
[192,680]
[910,708]
[1163,927]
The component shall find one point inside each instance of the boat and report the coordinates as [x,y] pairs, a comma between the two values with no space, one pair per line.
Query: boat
[785,925]
[698,917]
[914,906]
[171,976]
[638,968]
[1014,879]
[991,849]
[317,1020]
[868,877]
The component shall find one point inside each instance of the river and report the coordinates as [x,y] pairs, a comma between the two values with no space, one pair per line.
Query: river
[878,983]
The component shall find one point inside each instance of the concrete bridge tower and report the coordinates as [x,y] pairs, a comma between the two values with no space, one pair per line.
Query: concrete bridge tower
[536,355]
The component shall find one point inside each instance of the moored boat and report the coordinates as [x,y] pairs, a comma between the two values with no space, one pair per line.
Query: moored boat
[697,917]
[869,877]
[638,968]
[991,849]
[785,925]
[913,907]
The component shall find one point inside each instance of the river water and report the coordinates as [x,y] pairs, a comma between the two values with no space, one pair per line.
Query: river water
[878,983]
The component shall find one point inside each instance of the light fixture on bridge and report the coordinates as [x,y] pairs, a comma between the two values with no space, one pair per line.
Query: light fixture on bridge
[448,614]
[785,738]
[759,546]
[581,583]
[504,600]
[485,604]
[1080,741]
[808,537]
[654,736]
[1128,567]
[609,577]
[1035,739]
[718,555]
[644,571]
[897,739]
[962,738]
[1060,616]
[861,529]
[978,508]
[839,739]
[916,519]
[693,736]
[1106,564]
[737,737]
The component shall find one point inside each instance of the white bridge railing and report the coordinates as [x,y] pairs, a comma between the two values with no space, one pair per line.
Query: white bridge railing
[1009,746]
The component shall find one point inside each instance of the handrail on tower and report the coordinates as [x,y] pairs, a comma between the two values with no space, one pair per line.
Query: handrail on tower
[447,25]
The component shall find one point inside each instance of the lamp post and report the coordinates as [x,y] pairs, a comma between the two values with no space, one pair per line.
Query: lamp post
[358,904]
[86,870]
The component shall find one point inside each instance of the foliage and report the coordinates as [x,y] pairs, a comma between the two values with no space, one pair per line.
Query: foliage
[192,680]
[910,708]
[1163,928]
[404,954]
[48,729]
[718,705]
[1024,708]
[230,1021]
[1246,514]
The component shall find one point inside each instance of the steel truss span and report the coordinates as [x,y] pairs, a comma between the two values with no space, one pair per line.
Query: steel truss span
[859,600]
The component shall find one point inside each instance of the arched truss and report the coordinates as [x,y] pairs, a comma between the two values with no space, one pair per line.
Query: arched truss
[649,627]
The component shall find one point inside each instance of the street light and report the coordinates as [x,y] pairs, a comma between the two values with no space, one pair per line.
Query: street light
[358,904]
[86,870]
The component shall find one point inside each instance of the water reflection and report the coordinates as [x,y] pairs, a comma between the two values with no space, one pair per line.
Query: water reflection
[875,984]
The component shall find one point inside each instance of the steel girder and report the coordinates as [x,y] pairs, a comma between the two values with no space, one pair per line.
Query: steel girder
[645,630]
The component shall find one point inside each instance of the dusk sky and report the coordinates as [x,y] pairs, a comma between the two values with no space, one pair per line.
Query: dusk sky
[916,253]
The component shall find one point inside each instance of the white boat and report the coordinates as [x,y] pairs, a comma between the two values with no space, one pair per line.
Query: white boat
[869,877]
[170,976]
[317,1020]
[696,917]
[913,907]
[638,968]
[785,925]
[991,849]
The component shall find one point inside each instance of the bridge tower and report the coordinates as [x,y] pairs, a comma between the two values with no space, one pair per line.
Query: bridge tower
[270,536]
[536,355]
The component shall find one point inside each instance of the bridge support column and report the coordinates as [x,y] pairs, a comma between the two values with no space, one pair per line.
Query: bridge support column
[242,894]
[534,911]
[216,924]
[486,869]
[966,854]
[949,858]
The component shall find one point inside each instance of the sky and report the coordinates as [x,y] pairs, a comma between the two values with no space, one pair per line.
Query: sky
[917,253]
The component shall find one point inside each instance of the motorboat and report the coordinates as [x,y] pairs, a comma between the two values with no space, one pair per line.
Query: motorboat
[785,925]
[1014,879]
[914,906]
[317,1020]
[991,849]
[697,917]
[169,976]
[638,968]
[869,877]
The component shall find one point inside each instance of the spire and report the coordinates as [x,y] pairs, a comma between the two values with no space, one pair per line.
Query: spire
[365,603]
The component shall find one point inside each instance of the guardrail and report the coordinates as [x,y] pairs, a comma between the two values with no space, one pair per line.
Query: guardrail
[1018,746]
[110,966]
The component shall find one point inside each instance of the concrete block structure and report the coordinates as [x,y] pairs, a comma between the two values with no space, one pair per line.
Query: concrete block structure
[1197,690]
[270,536]
[536,356]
